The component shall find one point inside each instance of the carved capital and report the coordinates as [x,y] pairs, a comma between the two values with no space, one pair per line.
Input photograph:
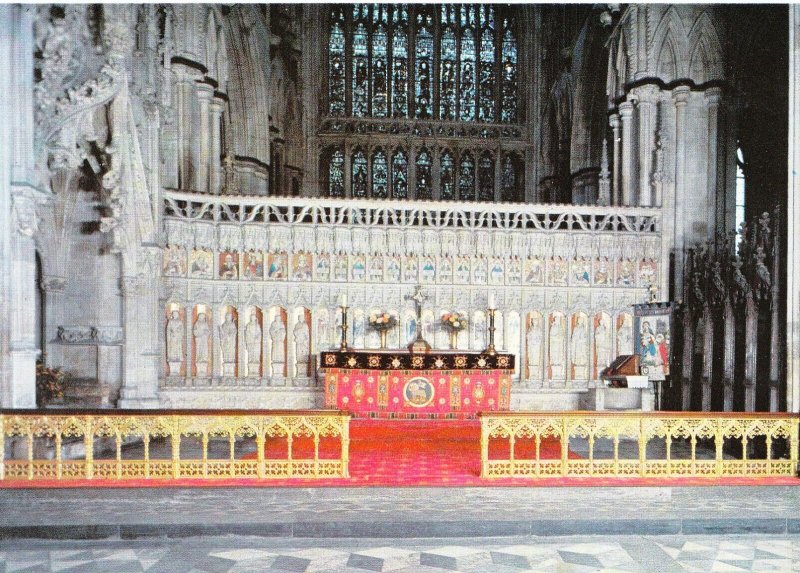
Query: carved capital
[613,121]
[25,217]
[713,96]
[52,284]
[680,96]
[626,110]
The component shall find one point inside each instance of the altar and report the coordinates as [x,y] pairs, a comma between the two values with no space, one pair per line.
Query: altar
[400,384]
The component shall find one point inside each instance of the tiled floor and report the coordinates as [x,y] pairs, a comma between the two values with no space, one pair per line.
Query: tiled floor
[663,554]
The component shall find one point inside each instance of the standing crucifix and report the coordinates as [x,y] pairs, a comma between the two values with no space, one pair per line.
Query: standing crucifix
[419,344]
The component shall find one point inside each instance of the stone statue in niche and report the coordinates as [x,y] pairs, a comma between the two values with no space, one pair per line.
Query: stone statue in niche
[479,332]
[201,332]
[625,335]
[533,343]
[174,343]
[556,349]
[579,348]
[602,344]
[252,343]
[227,339]
[302,351]
[277,333]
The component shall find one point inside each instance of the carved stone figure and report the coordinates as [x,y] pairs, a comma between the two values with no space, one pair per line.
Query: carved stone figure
[302,338]
[533,342]
[579,348]
[556,350]
[227,338]
[201,332]
[174,343]
[252,342]
[602,344]
[277,333]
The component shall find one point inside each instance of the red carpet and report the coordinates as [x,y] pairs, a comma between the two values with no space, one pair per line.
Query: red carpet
[411,453]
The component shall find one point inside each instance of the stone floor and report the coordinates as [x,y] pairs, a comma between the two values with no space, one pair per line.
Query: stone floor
[234,554]
[412,512]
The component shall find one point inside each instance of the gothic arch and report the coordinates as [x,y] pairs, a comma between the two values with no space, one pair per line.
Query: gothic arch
[670,35]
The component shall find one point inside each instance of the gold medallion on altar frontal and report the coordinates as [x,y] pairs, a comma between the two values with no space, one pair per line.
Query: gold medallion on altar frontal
[418,392]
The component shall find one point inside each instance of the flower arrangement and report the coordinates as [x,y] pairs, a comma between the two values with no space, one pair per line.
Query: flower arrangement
[382,321]
[454,321]
[49,384]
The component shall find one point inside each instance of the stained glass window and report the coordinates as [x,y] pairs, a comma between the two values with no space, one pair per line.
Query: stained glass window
[400,61]
[380,175]
[447,189]
[380,62]
[508,96]
[447,65]
[360,77]
[487,80]
[400,175]
[336,174]
[424,189]
[359,169]
[466,178]
[486,177]
[423,68]
[463,44]
[467,65]
[336,80]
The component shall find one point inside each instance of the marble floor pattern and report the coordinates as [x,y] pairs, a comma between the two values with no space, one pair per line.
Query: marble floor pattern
[662,554]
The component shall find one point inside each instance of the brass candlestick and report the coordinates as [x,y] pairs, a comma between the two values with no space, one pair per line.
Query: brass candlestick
[490,350]
[343,345]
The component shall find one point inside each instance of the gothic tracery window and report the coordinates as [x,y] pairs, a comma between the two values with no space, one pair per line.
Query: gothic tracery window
[486,177]
[446,60]
[447,181]
[359,175]
[380,175]
[424,188]
[466,178]
[336,174]
[400,175]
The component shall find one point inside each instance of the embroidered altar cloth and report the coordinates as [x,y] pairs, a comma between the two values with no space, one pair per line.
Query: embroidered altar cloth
[397,384]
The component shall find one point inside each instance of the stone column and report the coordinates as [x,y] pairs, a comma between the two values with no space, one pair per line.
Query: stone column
[687,367]
[708,358]
[647,107]
[793,218]
[627,171]
[729,357]
[53,310]
[183,122]
[616,191]
[215,172]
[750,354]
[201,144]
[18,218]
[680,97]
[713,96]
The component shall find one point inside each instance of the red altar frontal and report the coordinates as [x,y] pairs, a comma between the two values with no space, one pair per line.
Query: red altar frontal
[398,384]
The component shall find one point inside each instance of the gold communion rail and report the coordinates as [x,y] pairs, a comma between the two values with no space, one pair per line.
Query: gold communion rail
[188,444]
[636,444]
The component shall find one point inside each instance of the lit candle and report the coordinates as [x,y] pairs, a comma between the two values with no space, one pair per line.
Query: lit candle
[492,302]
[343,299]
